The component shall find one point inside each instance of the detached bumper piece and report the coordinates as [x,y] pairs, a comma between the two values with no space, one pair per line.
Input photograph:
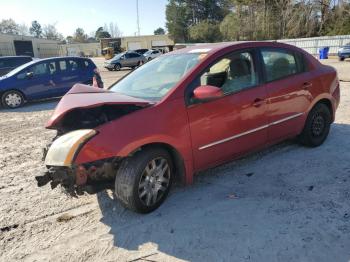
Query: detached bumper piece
[60,176]
[90,178]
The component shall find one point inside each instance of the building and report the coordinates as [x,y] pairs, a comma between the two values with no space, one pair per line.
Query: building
[26,45]
[80,49]
[139,42]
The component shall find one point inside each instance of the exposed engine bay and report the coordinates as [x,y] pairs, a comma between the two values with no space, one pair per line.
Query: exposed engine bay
[83,118]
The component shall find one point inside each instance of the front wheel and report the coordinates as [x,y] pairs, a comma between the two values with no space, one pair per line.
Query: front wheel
[12,99]
[317,126]
[341,58]
[117,67]
[143,181]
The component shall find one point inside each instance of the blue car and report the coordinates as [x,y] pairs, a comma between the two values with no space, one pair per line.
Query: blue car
[45,78]
[344,52]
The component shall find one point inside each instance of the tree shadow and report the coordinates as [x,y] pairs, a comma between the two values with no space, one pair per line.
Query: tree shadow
[285,203]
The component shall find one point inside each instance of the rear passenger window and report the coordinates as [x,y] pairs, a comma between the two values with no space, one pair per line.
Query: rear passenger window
[279,64]
[86,63]
[73,65]
[63,65]
[52,68]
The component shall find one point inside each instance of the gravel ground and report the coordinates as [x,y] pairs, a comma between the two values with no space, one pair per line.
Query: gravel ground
[286,203]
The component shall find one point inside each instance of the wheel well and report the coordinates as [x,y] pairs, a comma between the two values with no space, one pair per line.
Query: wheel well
[327,103]
[176,158]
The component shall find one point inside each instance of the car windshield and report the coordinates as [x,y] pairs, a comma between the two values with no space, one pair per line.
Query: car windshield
[20,68]
[155,79]
[118,56]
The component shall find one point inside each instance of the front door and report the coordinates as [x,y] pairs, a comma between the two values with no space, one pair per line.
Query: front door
[234,124]
[37,81]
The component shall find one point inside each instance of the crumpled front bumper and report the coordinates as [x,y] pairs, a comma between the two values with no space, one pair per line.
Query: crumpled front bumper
[76,179]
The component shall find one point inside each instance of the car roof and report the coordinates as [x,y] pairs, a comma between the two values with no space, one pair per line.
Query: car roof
[18,56]
[211,48]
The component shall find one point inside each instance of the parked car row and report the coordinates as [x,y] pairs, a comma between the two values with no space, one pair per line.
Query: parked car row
[44,78]
[131,59]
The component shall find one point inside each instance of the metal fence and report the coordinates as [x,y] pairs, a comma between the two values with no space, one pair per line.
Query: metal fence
[313,44]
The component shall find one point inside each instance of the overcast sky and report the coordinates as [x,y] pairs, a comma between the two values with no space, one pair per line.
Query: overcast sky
[87,14]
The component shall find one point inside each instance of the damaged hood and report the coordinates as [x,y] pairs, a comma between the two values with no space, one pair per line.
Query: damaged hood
[84,96]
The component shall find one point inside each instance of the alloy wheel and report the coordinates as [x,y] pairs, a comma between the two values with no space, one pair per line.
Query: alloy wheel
[154,181]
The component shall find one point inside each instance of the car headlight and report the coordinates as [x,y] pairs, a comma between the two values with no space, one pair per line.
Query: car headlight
[64,148]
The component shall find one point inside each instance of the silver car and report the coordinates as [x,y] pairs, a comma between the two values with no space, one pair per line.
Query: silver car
[126,59]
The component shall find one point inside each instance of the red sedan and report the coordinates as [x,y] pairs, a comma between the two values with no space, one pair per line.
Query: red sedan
[187,111]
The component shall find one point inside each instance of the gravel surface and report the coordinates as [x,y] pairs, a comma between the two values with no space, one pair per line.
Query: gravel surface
[286,203]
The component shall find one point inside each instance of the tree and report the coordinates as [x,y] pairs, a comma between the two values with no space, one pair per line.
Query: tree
[159,31]
[50,32]
[113,30]
[230,27]
[69,39]
[23,29]
[177,20]
[9,26]
[80,36]
[35,30]
[205,32]
[101,33]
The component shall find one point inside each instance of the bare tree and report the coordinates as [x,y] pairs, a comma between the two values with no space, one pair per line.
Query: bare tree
[113,30]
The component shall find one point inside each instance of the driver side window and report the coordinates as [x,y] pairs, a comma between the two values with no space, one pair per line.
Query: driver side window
[232,73]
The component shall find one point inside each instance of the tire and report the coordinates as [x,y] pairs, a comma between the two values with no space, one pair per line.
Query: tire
[149,59]
[139,185]
[317,126]
[341,58]
[12,99]
[109,69]
[117,67]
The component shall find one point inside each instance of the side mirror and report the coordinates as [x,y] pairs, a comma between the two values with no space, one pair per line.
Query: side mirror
[207,92]
[29,74]
[122,58]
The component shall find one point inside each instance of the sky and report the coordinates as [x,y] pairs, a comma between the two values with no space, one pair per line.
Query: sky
[87,14]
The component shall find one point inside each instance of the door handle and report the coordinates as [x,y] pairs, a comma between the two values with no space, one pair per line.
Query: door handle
[259,102]
[307,85]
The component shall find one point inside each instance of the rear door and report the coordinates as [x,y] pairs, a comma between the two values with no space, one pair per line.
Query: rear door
[69,74]
[288,84]
[87,71]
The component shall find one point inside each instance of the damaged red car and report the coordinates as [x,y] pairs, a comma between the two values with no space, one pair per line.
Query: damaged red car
[184,112]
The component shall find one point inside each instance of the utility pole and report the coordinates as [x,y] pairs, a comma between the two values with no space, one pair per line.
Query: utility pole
[138,20]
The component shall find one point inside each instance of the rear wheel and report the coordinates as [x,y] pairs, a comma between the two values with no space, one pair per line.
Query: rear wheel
[317,126]
[143,181]
[341,58]
[117,67]
[12,99]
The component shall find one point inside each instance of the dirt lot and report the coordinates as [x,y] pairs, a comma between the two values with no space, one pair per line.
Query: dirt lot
[286,203]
